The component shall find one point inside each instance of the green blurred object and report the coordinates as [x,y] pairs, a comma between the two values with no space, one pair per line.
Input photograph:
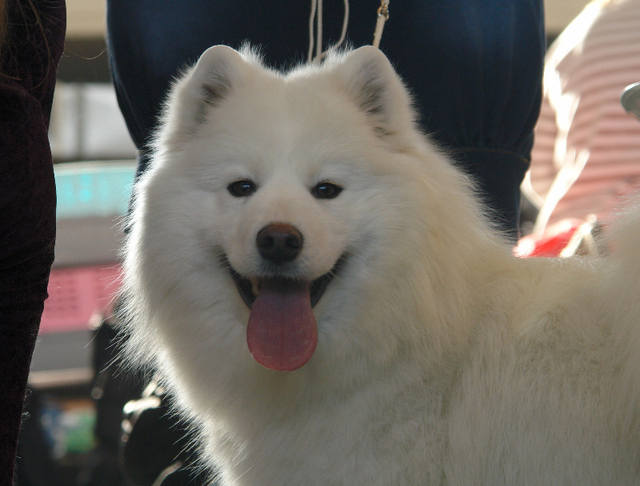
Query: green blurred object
[79,426]
[69,428]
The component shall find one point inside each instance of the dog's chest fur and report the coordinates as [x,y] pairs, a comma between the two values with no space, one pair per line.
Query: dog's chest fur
[323,443]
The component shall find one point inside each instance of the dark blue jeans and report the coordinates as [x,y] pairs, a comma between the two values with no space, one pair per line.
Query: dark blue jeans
[474,67]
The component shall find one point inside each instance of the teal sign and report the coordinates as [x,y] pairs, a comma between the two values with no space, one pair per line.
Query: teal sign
[93,189]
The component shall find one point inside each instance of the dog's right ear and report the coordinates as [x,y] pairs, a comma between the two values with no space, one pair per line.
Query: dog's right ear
[202,88]
[215,73]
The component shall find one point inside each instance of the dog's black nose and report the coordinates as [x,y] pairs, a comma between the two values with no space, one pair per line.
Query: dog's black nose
[279,242]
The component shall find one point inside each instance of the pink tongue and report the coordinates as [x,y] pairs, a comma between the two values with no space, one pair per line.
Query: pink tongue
[282,332]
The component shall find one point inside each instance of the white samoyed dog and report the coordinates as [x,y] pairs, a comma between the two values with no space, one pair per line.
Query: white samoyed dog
[323,296]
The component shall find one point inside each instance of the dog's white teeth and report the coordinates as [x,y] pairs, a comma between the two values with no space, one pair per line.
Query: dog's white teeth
[255,285]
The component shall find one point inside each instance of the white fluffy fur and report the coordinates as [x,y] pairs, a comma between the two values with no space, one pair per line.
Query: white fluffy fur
[441,358]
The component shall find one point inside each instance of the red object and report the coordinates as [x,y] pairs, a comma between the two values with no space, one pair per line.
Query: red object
[76,294]
[551,243]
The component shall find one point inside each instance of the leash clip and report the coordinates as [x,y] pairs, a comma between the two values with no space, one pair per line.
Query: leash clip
[383,10]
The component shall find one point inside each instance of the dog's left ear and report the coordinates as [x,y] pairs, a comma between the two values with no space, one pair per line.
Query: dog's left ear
[372,83]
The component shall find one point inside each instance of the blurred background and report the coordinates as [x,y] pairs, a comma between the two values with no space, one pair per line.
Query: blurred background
[94,167]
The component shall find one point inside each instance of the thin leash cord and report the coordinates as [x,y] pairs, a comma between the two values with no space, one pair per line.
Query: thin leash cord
[312,16]
[316,14]
[345,22]
[319,15]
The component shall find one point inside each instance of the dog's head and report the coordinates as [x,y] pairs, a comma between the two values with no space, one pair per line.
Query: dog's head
[281,210]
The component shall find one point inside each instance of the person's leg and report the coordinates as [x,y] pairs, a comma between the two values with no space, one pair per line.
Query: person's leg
[475,70]
[150,42]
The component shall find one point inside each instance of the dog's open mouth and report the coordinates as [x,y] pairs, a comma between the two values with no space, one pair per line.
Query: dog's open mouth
[249,288]
[282,332]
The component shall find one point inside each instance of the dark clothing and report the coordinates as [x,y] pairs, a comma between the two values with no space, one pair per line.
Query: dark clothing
[27,199]
[474,67]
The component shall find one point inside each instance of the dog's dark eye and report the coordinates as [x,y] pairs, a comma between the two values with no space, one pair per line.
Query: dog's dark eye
[242,188]
[325,190]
